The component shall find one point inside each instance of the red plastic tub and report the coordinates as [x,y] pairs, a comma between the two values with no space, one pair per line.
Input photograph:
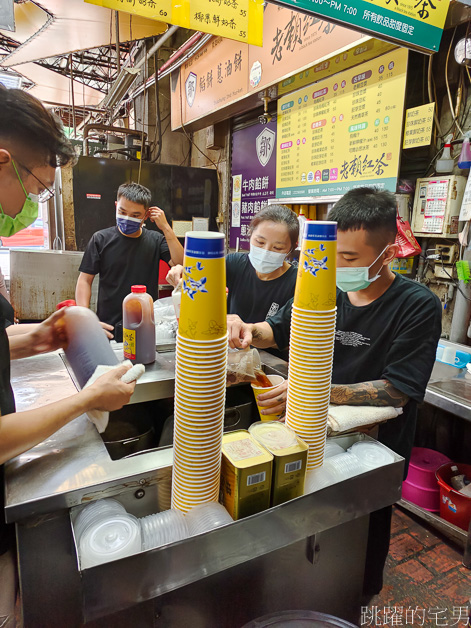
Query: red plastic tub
[454,506]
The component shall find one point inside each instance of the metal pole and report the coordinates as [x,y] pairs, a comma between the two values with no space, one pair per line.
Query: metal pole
[73,96]
[118,52]
[158,44]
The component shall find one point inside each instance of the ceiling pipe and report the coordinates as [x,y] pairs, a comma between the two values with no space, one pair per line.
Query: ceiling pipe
[158,44]
[127,75]
[109,129]
[183,48]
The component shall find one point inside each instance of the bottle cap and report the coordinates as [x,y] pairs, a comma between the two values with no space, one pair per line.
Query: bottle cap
[66,303]
[138,289]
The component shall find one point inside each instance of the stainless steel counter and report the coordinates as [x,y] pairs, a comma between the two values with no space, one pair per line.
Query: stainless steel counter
[307,553]
[449,388]
[73,464]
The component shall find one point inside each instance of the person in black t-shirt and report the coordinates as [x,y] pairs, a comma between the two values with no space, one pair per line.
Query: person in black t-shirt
[125,255]
[262,281]
[387,333]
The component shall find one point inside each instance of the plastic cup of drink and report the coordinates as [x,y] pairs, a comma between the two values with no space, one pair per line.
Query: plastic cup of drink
[276,380]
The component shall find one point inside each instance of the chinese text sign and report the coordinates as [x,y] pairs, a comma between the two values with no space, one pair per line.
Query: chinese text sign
[253,177]
[241,20]
[414,23]
[344,131]
[418,126]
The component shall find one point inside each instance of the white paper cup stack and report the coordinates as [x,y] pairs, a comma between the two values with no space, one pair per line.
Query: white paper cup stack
[312,339]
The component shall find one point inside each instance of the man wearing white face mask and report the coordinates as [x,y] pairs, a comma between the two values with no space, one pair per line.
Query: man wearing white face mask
[126,255]
[387,333]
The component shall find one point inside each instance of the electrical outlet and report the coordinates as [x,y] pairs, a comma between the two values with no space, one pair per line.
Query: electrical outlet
[448,252]
[444,272]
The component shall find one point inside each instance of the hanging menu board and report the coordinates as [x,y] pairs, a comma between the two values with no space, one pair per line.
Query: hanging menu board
[344,131]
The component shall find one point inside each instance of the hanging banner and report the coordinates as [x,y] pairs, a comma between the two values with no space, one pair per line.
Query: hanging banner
[253,178]
[417,24]
[344,131]
[224,72]
[241,20]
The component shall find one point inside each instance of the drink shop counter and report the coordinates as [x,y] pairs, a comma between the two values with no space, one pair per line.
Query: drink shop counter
[307,553]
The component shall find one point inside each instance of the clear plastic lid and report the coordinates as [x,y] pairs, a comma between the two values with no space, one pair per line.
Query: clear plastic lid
[273,435]
[110,539]
[372,455]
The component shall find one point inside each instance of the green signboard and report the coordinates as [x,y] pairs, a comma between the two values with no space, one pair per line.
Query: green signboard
[416,24]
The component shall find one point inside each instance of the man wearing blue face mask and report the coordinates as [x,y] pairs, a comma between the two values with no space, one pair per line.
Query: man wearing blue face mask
[387,333]
[126,254]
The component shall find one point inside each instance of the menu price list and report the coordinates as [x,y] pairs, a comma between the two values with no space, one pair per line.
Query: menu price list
[343,131]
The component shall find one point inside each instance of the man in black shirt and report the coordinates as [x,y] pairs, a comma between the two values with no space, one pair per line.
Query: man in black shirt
[387,332]
[126,255]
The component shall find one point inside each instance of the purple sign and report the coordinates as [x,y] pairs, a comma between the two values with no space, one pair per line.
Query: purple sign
[253,178]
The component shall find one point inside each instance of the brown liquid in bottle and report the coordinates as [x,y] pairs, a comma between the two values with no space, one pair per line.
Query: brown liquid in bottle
[262,379]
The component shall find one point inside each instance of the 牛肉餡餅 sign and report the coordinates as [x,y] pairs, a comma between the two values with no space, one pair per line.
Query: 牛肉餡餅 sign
[224,73]
[416,24]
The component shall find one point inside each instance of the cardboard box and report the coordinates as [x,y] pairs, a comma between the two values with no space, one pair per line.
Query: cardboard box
[246,475]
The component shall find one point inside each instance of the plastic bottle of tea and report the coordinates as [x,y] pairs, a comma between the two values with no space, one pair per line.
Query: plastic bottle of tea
[87,344]
[139,326]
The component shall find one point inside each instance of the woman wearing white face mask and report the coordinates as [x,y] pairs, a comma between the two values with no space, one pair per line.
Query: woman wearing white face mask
[262,281]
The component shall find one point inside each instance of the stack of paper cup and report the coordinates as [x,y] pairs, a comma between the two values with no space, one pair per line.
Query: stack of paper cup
[200,373]
[312,338]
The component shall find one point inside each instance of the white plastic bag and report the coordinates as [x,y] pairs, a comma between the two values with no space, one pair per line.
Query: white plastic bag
[166,324]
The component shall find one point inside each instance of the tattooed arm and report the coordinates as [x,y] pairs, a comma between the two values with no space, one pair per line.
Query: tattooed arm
[377,393]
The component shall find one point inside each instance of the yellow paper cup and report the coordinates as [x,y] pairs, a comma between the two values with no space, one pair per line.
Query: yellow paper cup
[315,285]
[203,310]
[276,380]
